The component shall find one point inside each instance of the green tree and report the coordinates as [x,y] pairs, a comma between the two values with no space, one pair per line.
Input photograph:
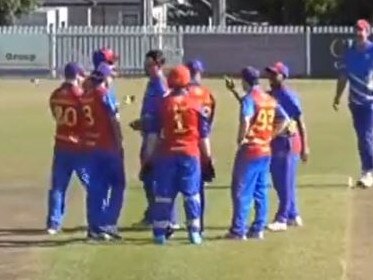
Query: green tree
[11,9]
[321,11]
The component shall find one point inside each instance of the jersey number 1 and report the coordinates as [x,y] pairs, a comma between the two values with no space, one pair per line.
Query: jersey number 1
[179,120]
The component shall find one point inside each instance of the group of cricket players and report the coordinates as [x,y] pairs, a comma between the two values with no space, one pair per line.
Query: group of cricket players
[175,122]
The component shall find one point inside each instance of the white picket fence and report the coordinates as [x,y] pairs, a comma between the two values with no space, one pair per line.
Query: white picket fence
[39,47]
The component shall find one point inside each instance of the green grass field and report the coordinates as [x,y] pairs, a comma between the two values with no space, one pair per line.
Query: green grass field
[317,251]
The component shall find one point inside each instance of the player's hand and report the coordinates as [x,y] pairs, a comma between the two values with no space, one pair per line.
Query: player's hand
[304,155]
[229,83]
[145,170]
[208,170]
[136,125]
[336,104]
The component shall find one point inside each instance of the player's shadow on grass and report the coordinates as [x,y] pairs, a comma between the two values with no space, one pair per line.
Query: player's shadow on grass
[42,243]
[68,230]
[313,185]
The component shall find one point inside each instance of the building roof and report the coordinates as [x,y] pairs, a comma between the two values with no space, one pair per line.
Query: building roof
[89,2]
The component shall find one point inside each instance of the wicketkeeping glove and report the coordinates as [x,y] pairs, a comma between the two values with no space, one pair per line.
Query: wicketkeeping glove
[208,171]
[146,169]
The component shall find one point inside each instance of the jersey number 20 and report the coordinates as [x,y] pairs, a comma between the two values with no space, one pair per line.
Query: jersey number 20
[68,115]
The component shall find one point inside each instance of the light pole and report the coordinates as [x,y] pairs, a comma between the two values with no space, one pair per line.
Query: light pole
[148,12]
[219,12]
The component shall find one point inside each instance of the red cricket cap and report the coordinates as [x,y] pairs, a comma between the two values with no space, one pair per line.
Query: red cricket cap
[179,77]
[362,24]
[279,68]
[109,55]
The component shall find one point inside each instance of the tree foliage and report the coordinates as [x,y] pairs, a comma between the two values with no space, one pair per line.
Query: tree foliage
[303,11]
[11,9]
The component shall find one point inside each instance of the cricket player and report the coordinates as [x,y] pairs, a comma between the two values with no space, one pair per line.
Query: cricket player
[261,118]
[108,56]
[185,127]
[68,149]
[156,89]
[357,70]
[114,199]
[103,139]
[207,100]
[287,149]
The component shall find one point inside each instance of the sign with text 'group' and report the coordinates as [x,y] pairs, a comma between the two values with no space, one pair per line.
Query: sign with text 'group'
[24,51]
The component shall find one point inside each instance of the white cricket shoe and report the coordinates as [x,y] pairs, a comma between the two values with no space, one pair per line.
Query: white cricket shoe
[52,231]
[297,222]
[175,226]
[277,226]
[366,180]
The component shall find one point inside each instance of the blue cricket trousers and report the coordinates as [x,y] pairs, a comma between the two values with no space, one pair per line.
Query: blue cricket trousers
[174,174]
[65,163]
[106,190]
[362,117]
[249,185]
[284,167]
[149,185]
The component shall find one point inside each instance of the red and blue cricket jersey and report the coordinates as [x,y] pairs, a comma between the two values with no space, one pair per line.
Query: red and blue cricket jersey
[99,131]
[205,97]
[290,102]
[182,121]
[263,111]
[65,106]
[357,65]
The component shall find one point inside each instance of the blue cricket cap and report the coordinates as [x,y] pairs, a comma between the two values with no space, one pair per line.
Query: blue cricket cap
[72,70]
[195,66]
[250,74]
[279,68]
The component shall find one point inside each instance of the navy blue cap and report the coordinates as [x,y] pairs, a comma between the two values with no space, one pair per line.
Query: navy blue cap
[250,74]
[72,70]
[103,71]
[97,58]
[195,66]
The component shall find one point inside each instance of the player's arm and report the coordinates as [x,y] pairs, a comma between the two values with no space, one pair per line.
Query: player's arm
[204,128]
[247,111]
[110,101]
[208,169]
[293,107]
[209,100]
[281,121]
[341,84]
[229,84]
[154,128]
